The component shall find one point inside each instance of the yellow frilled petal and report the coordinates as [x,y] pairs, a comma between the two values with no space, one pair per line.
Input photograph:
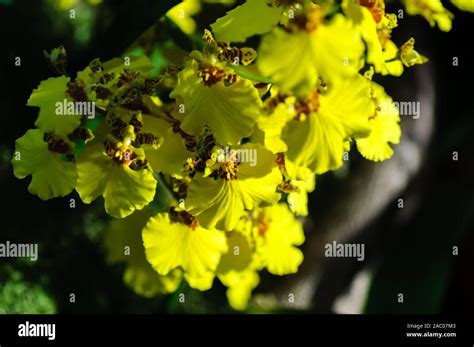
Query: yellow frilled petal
[230,111]
[272,127]
[239,254]
[385,129]
[170,245]
[240,285]
[236,270]
[297,171]
[46,96]
[182,14]
[123,243]
[298,198]
[393,65]
[51,175]
[153,125]
[433,11]
[317,142]
[171,154]
[170,157]
[113,67]
[350,103]
[254,17]
[278,233]
[146,282]
[296,60]
[237,259]
[108,77]
[220,203]
[367,26]
[124,190]
[465,5]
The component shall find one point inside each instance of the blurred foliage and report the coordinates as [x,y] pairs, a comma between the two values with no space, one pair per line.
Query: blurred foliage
[20,296]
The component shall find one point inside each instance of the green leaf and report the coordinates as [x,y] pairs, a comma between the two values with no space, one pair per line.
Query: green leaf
[170,157]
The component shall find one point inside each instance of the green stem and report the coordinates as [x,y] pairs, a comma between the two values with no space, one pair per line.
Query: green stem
[391,60]
[245,74]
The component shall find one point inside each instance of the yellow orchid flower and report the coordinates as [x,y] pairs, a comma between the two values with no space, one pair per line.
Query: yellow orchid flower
[277,232]
[47,158]
[409,56]
[123,243]
[204,98]
[384,125]
[220,199]
[176,241]
[316,139]
[295,59]
[433,11]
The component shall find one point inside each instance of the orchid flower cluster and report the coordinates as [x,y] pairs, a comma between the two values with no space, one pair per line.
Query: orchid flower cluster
[207,166]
